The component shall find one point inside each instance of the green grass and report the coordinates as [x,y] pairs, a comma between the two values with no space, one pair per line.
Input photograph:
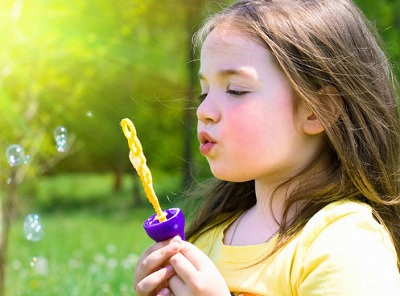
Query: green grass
[93,236]
[81,254]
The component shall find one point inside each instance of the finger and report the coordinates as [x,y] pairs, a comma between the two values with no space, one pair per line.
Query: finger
[155,257]
[189,262]
[164,292]
[159,245]
[182,265]
[176,284]
[196,257]
[155,281]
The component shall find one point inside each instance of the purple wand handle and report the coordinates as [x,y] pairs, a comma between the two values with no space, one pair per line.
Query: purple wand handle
[160,231]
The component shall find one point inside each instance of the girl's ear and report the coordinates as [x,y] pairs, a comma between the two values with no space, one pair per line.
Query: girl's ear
[332,103]
[311,124]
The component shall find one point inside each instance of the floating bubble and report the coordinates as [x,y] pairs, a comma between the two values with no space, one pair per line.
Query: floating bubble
[33,229]
[27,159]
[60,136]
[16,155]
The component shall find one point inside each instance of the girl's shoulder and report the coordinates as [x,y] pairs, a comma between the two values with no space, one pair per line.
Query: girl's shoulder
[344,219]
[338,210]
[344,245]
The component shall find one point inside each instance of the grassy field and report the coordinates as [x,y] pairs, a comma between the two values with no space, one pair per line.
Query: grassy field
[90,246]
[80,254]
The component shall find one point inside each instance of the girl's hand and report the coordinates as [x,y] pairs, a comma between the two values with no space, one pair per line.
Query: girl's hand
[195,274]
[153,271]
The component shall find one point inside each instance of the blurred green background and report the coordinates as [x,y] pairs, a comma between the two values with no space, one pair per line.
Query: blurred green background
[85,65]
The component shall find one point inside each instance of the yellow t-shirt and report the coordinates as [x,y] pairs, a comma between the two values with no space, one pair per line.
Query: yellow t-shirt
[342,250]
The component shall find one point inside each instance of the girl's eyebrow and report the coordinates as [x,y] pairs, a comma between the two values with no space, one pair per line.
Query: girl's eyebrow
[230,72]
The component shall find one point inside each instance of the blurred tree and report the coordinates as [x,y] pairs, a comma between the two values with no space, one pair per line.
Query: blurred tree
[51,52]
[86,65]
[93,63]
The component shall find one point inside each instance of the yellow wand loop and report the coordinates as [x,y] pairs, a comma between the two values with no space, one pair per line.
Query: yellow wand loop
[138,161]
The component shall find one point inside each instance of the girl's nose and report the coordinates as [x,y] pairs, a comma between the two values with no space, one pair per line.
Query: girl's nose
[208,112]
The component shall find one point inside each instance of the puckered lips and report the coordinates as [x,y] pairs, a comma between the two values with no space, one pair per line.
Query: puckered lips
[206,143]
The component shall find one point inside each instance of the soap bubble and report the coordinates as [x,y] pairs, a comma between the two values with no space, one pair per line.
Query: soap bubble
[33,229]
[27,159]
[60,136]
[16,155]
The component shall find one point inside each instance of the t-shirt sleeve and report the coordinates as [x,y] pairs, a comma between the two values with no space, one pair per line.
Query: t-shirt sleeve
[349,256]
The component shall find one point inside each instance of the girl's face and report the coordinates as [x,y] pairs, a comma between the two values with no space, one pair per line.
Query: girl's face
[247,126]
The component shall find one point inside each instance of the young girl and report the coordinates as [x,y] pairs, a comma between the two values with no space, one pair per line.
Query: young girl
[299,124]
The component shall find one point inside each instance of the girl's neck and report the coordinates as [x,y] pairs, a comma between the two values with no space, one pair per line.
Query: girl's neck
[270,202]
[258,224]
[261,222]
[251,228]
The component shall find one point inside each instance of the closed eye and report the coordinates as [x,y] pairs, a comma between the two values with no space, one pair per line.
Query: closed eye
[237,93]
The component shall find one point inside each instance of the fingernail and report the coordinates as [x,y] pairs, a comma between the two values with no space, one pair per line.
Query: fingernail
[175,246]
[177,239]
[169,269]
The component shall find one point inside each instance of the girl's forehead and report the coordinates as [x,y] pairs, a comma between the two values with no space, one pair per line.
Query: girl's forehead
[227,36]
[229,42]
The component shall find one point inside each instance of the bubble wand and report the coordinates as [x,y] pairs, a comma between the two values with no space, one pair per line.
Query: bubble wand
[164,224]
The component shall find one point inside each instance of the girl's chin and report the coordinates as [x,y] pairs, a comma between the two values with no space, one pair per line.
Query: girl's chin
[229,177]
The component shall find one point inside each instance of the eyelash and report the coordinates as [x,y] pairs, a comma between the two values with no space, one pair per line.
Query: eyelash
[232,92]
[236,93]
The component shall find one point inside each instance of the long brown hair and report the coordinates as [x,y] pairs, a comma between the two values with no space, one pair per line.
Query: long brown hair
[334,61]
